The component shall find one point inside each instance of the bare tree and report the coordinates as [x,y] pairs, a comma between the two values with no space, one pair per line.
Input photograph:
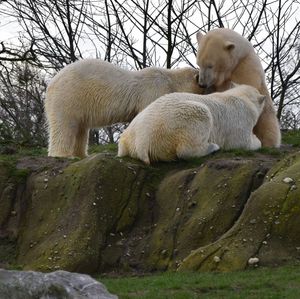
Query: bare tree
[21,105]
[136,34]
[52,28]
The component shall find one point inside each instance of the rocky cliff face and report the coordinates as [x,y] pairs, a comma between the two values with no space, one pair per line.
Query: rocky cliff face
[105,214]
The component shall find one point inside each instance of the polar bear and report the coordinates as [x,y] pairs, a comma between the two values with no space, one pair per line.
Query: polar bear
[92,93]
[182,125]
[224,55]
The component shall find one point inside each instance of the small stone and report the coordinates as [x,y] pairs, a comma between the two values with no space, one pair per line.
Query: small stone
[265,242]
[94,204]
[65,236]
[293,187]
[233,206]
[13,213]
[148,194]
[46,180]
[217,259]
[177,209]
[253,261]
[288,180]
[252,221]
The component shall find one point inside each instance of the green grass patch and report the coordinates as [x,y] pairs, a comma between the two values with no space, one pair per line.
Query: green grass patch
[103,148]
[270,151]
[275,283]
[291,137]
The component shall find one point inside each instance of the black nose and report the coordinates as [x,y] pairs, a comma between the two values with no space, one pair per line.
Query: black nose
[202,85]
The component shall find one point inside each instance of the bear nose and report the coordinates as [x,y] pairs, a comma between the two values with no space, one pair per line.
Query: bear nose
[202,85]
[201,82]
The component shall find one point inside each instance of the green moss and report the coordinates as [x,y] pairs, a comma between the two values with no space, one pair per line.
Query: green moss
[20,175]
[291,137]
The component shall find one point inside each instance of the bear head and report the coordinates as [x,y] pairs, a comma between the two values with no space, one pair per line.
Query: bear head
[216,58]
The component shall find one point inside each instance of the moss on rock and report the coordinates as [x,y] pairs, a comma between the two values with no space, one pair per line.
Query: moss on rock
[266,229]
[104,213]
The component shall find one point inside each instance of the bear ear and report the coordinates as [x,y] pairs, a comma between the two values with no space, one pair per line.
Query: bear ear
[261,99]
[199,35]
[229,46]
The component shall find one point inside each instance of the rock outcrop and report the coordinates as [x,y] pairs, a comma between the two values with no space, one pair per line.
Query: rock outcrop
[105,214]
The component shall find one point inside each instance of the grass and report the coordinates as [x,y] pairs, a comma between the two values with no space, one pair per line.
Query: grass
[104,148]
[263,283]
[291,137]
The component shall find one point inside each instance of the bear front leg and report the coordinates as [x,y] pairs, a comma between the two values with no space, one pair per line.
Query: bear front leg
[81,142]
[61,140]
[267,128]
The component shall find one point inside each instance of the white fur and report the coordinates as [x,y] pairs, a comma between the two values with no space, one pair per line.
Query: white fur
[93,93]
[182,125]
[223,56]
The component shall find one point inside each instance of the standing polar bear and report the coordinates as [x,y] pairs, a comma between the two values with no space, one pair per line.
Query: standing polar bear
[92,93]
[223,56]
[182,125]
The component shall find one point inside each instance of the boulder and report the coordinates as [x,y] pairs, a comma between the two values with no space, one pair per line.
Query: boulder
[53,285]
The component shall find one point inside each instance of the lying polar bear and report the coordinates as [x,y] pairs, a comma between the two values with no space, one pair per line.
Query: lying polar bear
[183,125]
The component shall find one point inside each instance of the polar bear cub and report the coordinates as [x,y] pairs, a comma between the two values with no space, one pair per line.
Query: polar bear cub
[182,125]
[92,93]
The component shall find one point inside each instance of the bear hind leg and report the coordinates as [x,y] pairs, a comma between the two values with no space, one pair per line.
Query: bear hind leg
[199,150]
